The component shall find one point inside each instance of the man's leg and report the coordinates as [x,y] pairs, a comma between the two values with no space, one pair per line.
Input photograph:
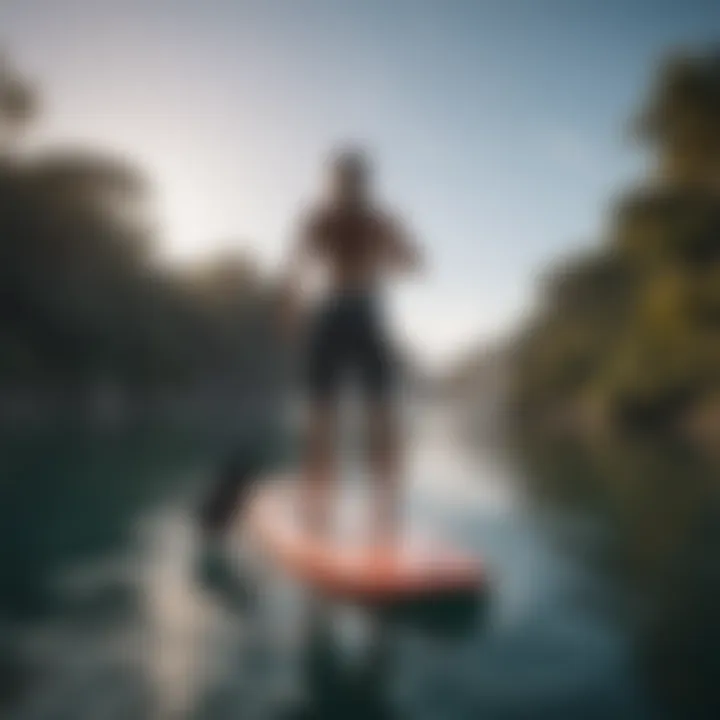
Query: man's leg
[319,472]
[385,466]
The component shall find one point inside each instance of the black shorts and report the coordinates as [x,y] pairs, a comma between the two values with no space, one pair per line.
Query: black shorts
[347,339]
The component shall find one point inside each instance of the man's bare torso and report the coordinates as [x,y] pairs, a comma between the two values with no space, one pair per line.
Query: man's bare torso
[357,245]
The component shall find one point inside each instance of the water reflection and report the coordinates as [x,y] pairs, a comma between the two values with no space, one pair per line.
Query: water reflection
[184,633]
[151,622]
[338,687]
[660,507]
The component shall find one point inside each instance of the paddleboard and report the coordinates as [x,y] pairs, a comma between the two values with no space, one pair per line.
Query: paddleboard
[410,569]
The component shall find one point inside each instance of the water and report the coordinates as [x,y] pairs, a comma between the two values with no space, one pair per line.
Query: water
[113,607]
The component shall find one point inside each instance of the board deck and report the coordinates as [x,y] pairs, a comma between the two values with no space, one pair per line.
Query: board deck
[411,570]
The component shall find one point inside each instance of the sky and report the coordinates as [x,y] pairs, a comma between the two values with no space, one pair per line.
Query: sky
[499,128]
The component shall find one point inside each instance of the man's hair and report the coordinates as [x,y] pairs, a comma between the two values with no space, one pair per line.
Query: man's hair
[351,162]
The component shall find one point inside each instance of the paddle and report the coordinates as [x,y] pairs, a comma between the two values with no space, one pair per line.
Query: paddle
[235,479]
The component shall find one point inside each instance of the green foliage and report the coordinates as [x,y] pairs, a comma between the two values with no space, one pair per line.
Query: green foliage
[634,328]
[82,299]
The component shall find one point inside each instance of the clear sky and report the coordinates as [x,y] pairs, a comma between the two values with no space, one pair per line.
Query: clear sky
[499,126]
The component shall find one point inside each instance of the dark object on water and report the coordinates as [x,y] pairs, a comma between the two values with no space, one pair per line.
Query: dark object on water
[228,581]
[230,492]
[341,686]
[449,616]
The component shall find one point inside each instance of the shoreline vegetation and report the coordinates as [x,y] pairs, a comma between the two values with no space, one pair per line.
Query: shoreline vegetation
[625,338]
[92,326]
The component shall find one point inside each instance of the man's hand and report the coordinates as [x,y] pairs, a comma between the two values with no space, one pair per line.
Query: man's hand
[402,253]
[289,315]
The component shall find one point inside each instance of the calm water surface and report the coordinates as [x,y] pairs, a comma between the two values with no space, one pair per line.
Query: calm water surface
[113,607]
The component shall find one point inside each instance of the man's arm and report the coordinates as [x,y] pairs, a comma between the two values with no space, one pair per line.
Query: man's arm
[298,258]
[403,253]
[295,270]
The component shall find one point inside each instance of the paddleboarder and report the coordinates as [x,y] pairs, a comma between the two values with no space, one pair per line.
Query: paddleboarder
[359,246]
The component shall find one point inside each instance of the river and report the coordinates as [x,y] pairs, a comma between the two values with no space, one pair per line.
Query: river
[113,606]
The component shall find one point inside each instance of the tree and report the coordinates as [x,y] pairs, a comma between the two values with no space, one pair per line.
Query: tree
[634,327]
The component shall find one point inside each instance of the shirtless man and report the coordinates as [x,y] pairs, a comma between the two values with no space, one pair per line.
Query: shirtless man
[358,245]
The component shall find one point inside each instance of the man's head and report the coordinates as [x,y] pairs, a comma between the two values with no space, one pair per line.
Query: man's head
[350,175]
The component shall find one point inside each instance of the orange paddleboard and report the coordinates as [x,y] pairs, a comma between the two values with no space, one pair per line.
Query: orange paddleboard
[407,571]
